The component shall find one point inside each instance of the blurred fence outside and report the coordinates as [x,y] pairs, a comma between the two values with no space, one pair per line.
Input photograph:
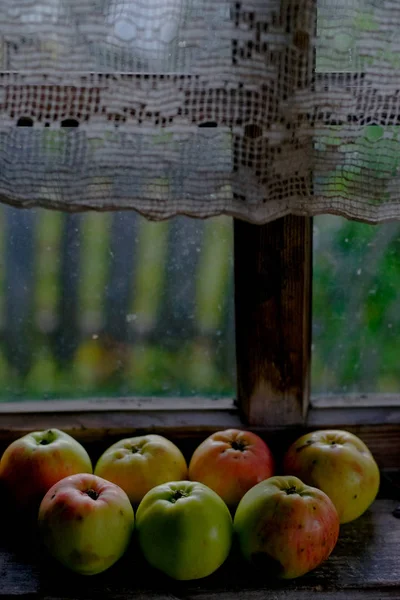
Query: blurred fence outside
[112,304]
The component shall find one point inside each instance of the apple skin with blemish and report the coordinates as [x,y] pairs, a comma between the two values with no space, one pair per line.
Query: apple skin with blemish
[231,462]
[140,463]
[36,461]
[86,523]
[338,463]
[286,528]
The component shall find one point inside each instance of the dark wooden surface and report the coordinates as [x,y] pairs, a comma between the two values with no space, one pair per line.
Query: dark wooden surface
[272,296]
[354,400]
[365,564]
[187,425]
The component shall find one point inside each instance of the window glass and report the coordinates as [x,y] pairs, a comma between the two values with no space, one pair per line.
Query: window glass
[98,305]
[356,307]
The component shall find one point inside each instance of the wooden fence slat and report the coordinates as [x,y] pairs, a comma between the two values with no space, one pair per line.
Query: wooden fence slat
[150,270]
[118,292]
[177,318]
[67,334]
[19,284]
[227,358]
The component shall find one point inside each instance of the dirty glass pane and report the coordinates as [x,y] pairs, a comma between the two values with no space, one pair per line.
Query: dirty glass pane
[114,305]
[356,307]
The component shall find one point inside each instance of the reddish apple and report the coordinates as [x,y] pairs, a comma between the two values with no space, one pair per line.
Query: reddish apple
[341,465]
[285,527]
[86,523]
[36,461]
[231,462]
[140,463]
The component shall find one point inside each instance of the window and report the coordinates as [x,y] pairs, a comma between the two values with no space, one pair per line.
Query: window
[272,264]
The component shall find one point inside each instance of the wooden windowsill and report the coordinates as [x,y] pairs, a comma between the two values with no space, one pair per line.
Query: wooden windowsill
[355,400]
[99,423]
[364,565]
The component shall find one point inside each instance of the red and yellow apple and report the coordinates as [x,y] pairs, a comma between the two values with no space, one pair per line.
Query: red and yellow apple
[231,462]
[184,529]
[140,463]
[36,461]
[285,527]
[341,465]
[86,523]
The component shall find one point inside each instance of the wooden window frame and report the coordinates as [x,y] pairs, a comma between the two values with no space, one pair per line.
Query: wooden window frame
[273,281]
[273,291]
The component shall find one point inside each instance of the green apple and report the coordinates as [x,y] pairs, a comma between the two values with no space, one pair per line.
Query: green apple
[184,529]
[140,463]
[286,527]
[86,523]
[338,463]
[36,461]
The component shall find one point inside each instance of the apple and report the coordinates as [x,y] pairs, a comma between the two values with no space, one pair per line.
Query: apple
[341,465]
[36,461]
[86,523]
[140,463]
[231,462]
[184,529]
[286,527]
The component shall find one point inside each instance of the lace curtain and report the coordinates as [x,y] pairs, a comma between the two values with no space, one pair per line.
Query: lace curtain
[255,108]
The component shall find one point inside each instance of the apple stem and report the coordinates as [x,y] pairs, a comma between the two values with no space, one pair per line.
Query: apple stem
[178,494]
[238,445]
[291,490]
[92,494]
[48,437]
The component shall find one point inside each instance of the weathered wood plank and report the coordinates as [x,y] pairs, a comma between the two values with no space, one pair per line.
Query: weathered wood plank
[273,311]
[17,578]
[391,594]
[353,417]
[97,427]
[150,403]
[257,595]
[364,564]
[355,400]
[184,420]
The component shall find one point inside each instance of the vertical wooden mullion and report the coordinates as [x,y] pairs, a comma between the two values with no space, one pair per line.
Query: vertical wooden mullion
[273,262]
[273,271]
